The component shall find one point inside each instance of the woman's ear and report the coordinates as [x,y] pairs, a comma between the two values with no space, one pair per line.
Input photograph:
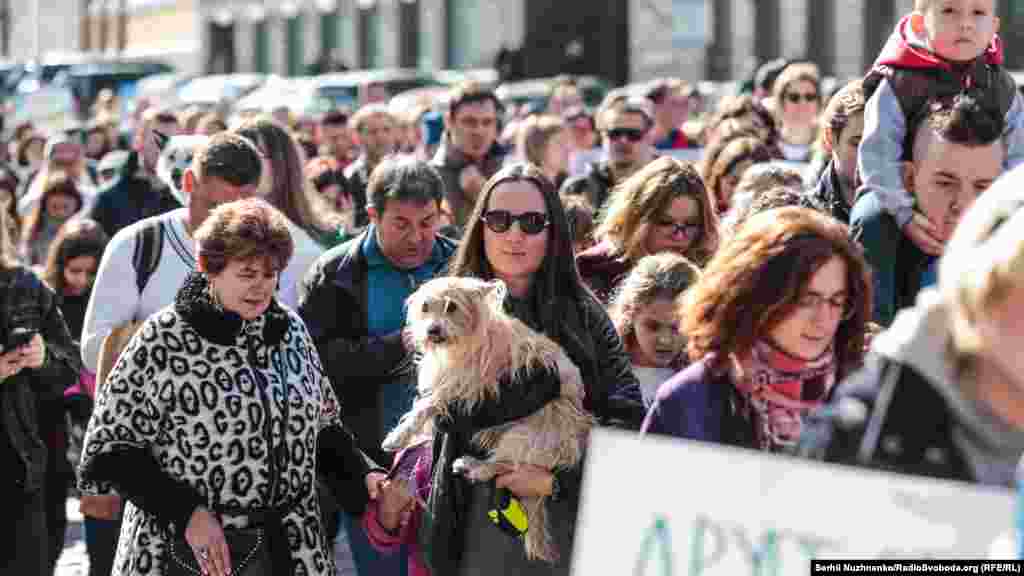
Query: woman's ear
[201,265]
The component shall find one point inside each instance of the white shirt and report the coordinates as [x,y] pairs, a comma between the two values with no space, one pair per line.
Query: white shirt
[650,380]
[116,300]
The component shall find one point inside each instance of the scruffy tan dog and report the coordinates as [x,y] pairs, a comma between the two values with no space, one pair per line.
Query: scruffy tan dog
[467,343]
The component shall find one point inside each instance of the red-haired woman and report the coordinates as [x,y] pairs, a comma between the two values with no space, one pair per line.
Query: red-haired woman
[777,318]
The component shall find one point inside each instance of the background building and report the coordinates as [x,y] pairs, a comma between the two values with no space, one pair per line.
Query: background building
[621,40]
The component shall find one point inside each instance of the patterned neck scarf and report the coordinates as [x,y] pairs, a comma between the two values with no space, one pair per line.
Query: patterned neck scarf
[780,390]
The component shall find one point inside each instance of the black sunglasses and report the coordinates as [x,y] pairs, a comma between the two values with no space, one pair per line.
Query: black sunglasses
[689,231]
[631,134]
[794,97]
[500,221]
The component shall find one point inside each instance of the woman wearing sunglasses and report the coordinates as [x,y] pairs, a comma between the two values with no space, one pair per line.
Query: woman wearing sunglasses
[518,233]
[797,95]
[777,318]
[662,208]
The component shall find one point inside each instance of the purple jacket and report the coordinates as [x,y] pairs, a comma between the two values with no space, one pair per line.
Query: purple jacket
[696,404]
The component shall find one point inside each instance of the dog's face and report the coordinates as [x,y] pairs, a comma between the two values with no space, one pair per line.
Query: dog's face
[446,311]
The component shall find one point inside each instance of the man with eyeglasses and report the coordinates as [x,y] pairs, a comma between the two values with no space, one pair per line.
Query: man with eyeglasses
[469,153]
[353,303]
[625,123]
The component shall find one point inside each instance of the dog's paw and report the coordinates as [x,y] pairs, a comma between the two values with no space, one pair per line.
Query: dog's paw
[465,465]
[474,470]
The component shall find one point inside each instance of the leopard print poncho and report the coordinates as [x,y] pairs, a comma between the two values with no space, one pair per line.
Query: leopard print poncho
[184,390]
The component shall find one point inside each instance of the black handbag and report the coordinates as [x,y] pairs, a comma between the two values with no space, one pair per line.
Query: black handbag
[250,554]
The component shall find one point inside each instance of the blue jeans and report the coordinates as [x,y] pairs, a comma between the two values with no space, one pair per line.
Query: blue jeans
[368,561]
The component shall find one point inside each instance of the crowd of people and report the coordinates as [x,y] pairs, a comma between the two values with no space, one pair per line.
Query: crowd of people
[204,330]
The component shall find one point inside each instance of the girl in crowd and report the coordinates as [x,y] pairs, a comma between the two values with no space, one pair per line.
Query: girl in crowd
[776,319]
[797,97]
[70,270]
[843,125]
[60,201]
[580,214]
[326,177]
[644,315]
[518,233]
[726,163]
[542,141]
[282,184]
[29,155]
[664,207]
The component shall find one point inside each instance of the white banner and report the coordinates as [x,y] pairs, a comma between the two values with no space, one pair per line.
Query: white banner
[660,507]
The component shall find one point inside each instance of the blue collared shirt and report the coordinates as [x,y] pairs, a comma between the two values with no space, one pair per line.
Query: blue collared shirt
[389,286]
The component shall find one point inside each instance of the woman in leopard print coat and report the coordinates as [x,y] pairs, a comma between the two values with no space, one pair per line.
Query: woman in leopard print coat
[181,427]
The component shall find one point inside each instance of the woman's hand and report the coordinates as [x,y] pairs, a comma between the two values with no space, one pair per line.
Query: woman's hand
[394,507]
[374,480]
[34,353]
[206,537]
[525,480]
[11,363]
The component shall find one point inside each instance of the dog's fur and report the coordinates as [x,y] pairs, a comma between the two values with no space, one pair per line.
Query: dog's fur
[467,342]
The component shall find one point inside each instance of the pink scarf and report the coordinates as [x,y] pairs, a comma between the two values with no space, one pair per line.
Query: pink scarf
[781,389]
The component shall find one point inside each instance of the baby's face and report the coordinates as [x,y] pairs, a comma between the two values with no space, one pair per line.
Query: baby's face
[960,30]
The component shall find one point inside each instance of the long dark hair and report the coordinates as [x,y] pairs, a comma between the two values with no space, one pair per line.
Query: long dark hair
[56,183]
[289,193]
[558,282]
[78,237]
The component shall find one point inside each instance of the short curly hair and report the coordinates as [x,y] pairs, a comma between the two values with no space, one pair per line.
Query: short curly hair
[243,230]
[755,280]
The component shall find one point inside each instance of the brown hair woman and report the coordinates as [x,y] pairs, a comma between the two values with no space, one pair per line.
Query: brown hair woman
[777,318]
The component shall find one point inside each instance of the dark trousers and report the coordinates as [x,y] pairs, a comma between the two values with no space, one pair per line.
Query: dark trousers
[58,478]
[101,544]
[26,544]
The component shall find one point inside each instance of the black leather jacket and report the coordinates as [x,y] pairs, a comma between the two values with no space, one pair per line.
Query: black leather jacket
[333,304]
[26,302]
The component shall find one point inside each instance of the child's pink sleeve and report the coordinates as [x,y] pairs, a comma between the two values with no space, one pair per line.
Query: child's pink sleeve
[381,539]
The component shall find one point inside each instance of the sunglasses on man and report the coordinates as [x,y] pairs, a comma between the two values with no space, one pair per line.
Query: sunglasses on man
[531,223]
[632,134]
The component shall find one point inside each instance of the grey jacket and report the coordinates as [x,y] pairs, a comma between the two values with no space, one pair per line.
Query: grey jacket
[450,161]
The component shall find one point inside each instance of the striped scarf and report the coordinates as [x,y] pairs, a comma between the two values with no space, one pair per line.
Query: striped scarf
[780,390]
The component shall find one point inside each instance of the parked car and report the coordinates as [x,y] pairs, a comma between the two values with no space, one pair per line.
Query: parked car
[535,92]
[219,91]
[87,80]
